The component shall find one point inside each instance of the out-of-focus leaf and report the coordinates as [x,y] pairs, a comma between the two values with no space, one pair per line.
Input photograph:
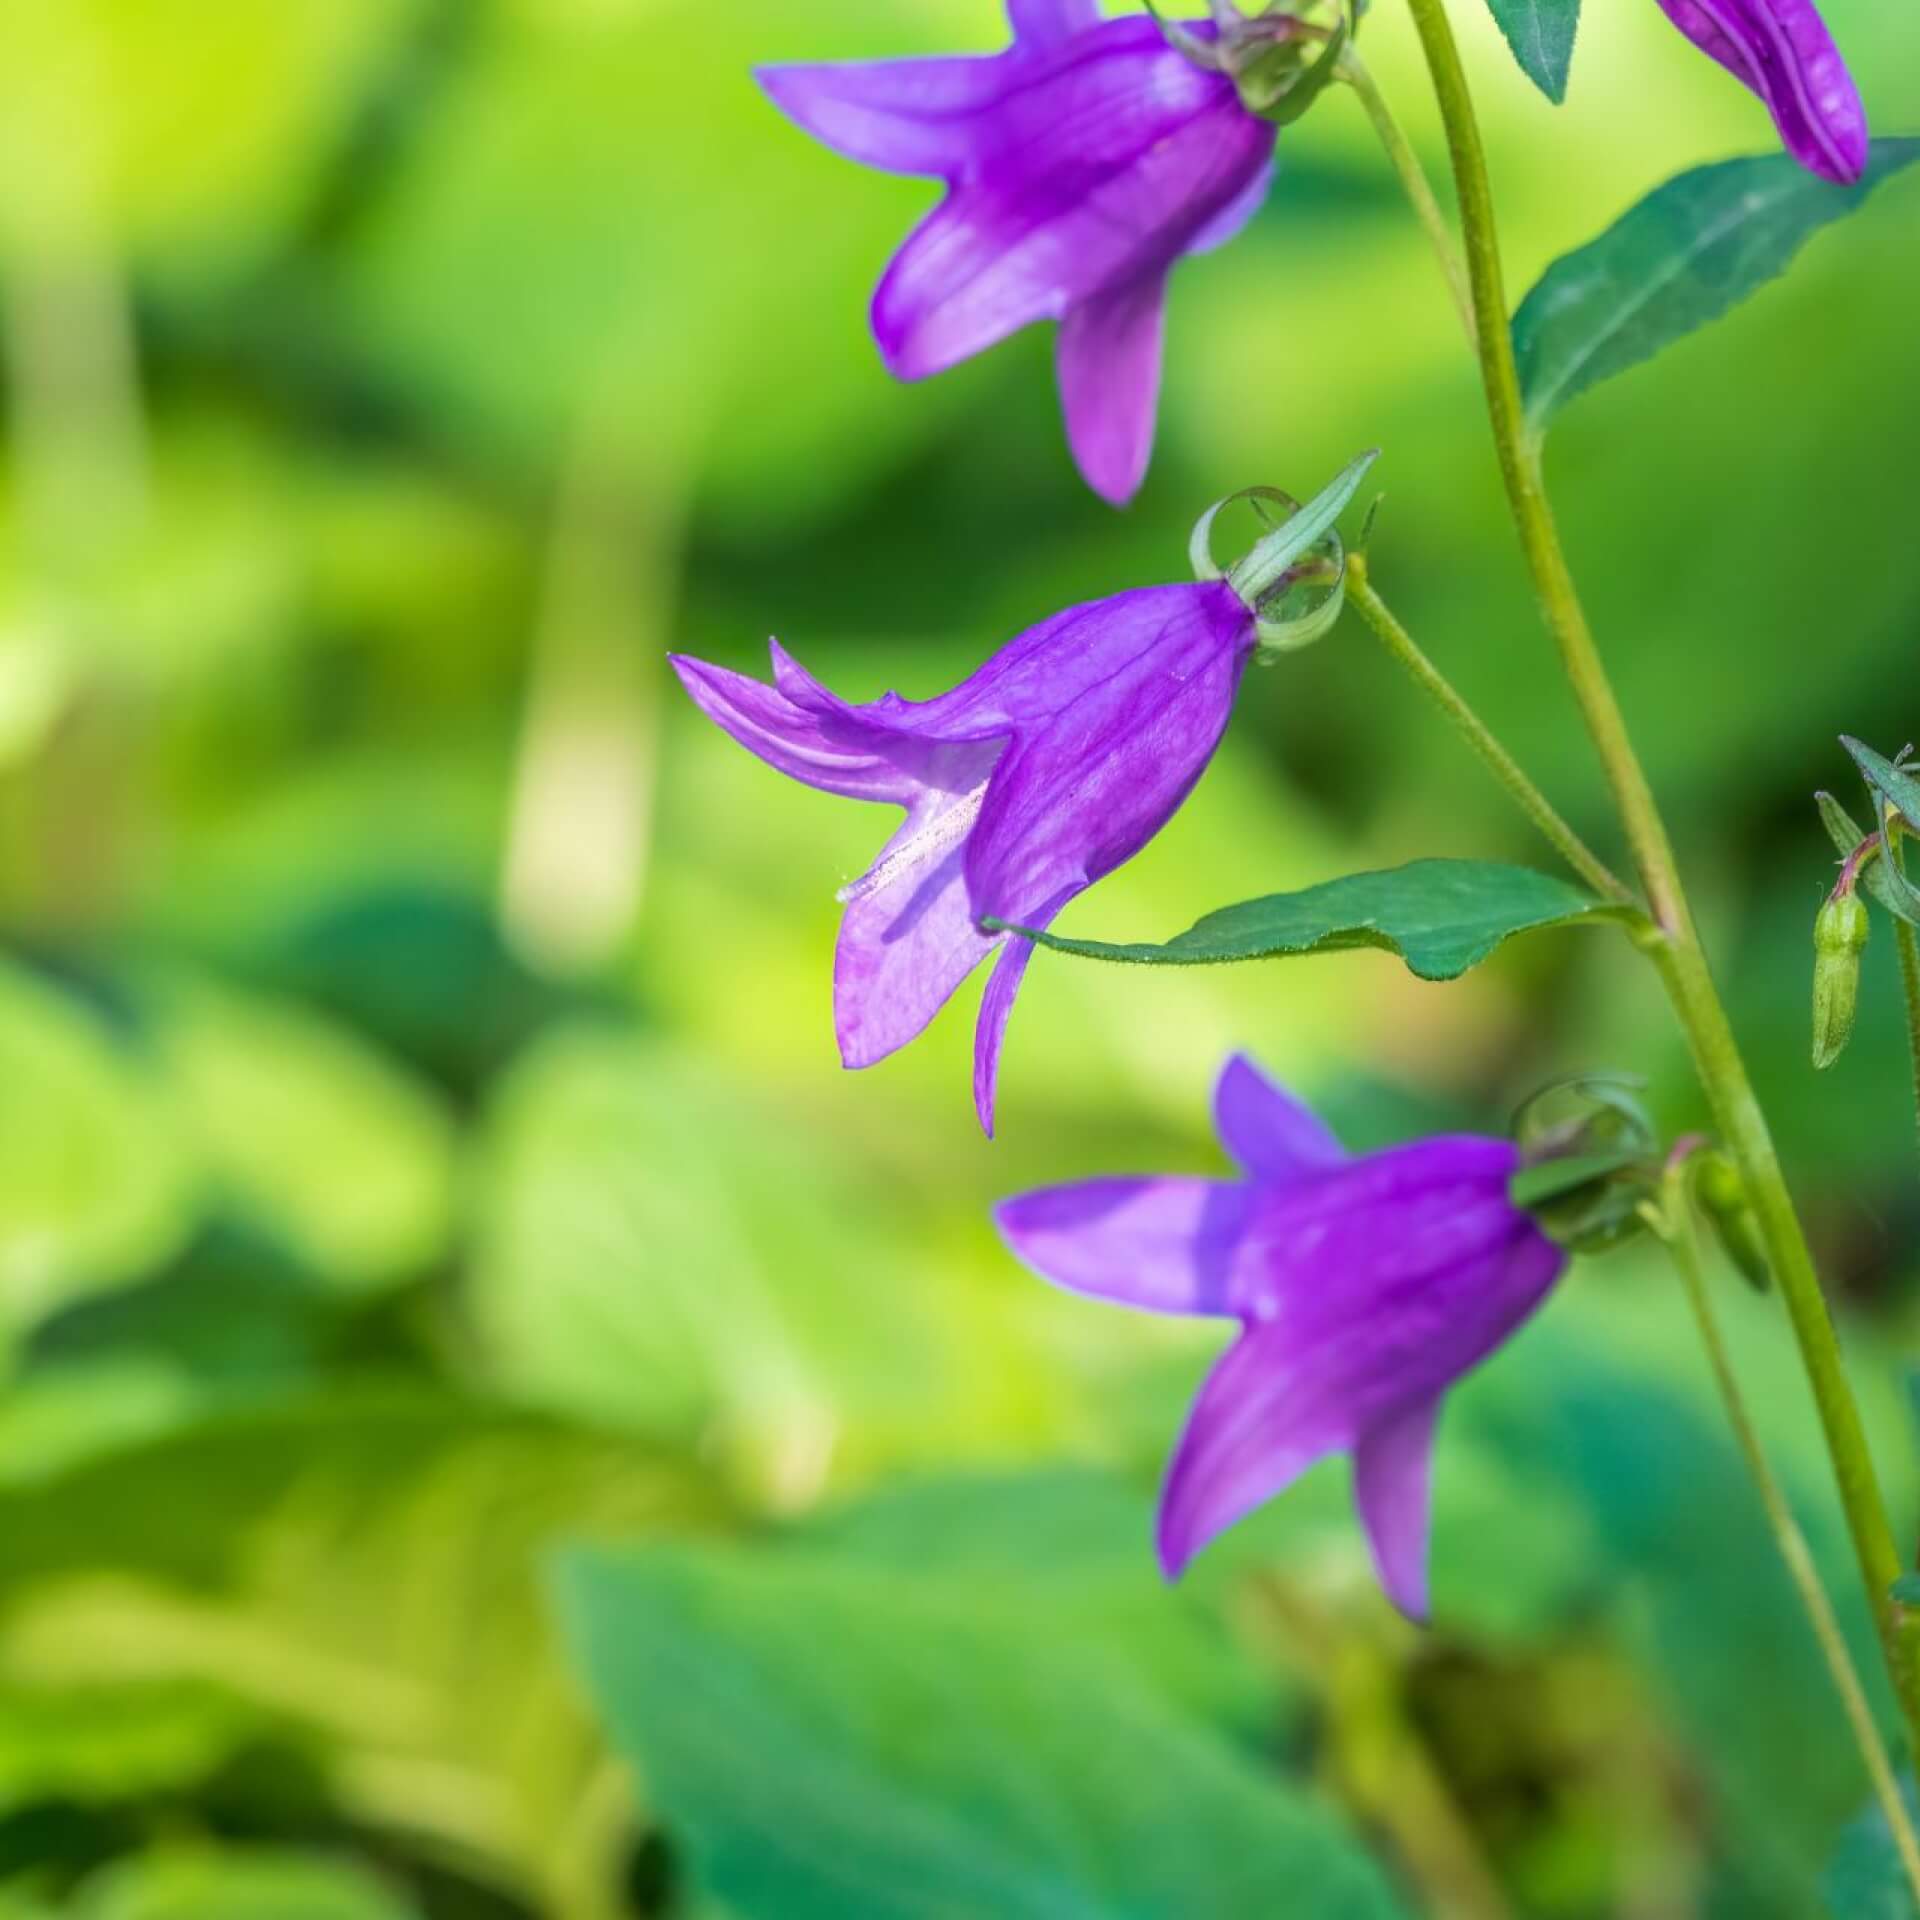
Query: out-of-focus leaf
[660,1249]
[300,1128]
[360,1570]
[1070,1553]
[1866,1880]
[238,1886]
[191,131]
[1541,34]
[831,1737]
[1440,916]
[94,1183]
[1688,253]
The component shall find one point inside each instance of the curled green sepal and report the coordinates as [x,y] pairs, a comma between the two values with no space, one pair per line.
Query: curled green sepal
[1203,53]
[1898,793]
[1863,847]
[1279,84]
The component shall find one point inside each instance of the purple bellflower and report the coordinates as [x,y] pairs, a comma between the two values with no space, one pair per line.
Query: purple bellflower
[1034,777]
[1364,1288]
[1080,165]
[1781,49]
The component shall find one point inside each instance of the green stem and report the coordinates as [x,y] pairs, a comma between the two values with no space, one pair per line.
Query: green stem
[1475,731]
[1909,945]
[1674,1225]
[1413,179]
[1676,947]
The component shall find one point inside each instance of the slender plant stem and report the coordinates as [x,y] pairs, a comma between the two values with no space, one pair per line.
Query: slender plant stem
[1478,735]
[1413,178]
[1675,947]
[1909,945]
[1675,1227]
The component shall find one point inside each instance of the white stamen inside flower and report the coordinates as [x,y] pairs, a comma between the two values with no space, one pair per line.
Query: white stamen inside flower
[922,846]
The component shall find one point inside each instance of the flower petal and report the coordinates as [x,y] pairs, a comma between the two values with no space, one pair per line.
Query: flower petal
[838,754]
[1080,794]
[1323,1371]
[1102,167]
[904,947]
[1274,1136]
[1108,358]
[990,1030]
[1165,1245]
[1257,1425]
[903,116]
[1043,23]
[1231,220]
[1783,51]
[1392,1485]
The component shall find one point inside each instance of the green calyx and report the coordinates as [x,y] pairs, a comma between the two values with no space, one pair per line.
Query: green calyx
[1294,580]
[1280,60]
[1592,1162]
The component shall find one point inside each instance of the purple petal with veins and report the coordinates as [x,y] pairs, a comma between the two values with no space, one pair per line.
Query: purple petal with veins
[1080,165]
[1032,779]
[1365,1287]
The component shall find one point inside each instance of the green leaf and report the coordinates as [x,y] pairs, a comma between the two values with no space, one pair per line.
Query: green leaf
[95,1188]
[1541,33]
[831,1739]
[1689,252]
[1895,784]
[355,1573]
[1866,1880]
[237,1886]
[1440,916]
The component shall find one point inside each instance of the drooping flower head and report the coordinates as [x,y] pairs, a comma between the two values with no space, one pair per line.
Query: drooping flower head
[1364,1288]
[1782,50]
[1034,777]
[1080,165]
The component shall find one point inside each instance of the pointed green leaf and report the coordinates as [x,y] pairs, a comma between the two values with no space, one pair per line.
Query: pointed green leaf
[1541,32]
[829,1737]
[1866,1880]
[1440,916]
[1688,253]
[1895,783]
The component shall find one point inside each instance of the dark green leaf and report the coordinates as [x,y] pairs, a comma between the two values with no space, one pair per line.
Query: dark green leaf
[1541,32]
[1895,784]
[1440,916]
[830,1738]
[1688,253]
[1906,1590]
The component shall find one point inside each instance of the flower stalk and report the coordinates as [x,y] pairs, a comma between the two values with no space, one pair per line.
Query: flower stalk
[1672,1222]
[1677,950]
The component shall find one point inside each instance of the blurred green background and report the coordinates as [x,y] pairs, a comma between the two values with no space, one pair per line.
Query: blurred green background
[495,1422]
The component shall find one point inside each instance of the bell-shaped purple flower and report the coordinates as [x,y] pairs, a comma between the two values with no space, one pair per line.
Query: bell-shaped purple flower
[1364,1288]
[1080,165]
[1782,50]
[1034,777]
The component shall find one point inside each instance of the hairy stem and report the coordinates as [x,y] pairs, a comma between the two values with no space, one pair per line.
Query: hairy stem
[1908,943]
[1413,178]
[1675,1227]
[1676,948]
[1478,735]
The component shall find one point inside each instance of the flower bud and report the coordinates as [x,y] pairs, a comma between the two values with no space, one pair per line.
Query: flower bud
[1722,1197]
[1839,938]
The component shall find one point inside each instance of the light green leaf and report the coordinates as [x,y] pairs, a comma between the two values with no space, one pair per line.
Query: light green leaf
[358,1572]
[1688,253]
[830,1739]
[238,1886]
[1541,34]
[95,1187]
[1440,916]
[662,1249]
[301,1129]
